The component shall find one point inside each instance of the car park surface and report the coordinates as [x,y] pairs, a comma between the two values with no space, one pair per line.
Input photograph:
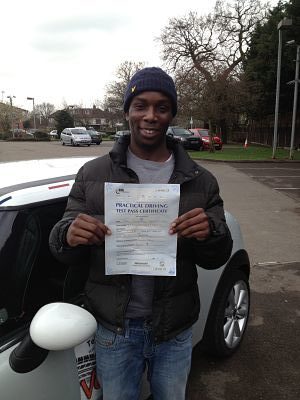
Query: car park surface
[267,364]
[281,177]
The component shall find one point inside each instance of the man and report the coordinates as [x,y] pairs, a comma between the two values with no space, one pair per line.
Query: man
[145,320]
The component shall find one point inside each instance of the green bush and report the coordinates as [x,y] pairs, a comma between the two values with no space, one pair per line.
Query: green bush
[5,135]
[37,136]
[41,135]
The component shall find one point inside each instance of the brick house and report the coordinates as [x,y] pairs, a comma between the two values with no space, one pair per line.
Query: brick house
[95,117]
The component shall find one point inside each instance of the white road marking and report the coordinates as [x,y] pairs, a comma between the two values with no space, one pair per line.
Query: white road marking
[271,168]
[274,176]
[287,188]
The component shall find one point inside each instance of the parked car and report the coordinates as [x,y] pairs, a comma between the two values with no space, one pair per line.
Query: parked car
[185,138]
[120,134]
[46,340]
[204,135]
[75,137]
[53,134]
[96,136]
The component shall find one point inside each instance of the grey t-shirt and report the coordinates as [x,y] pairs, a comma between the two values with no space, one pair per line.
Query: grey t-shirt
[140,304]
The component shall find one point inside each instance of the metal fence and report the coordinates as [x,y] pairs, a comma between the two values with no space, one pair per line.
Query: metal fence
[262,131]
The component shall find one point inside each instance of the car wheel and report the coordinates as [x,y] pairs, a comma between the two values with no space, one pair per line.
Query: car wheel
[229,315]
[62,142]
[98,144]
[72,143]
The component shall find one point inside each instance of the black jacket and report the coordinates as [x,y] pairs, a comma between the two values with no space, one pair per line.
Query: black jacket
[176,302]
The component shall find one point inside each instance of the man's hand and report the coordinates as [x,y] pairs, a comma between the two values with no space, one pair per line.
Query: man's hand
[193,224]
[86,230]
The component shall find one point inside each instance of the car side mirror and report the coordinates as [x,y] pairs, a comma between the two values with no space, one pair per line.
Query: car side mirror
[60,326]
[56,326]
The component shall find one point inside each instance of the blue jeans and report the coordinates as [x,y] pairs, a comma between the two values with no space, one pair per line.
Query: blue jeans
[122,359]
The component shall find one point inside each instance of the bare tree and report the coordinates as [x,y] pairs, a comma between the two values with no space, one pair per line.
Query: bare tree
[44,110]
[113,100]
[214,45]
[5,117]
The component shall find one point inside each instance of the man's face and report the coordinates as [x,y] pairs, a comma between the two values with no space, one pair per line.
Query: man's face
[149,115]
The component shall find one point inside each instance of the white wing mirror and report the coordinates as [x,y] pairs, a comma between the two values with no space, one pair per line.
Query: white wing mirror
[60,326]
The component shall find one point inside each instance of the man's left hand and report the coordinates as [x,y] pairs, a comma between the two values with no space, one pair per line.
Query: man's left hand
[193,224]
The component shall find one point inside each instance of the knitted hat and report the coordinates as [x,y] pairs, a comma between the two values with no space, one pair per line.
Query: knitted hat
[151,80]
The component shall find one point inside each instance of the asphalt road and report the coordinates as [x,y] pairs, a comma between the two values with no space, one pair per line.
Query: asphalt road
[281,177]
[267,365]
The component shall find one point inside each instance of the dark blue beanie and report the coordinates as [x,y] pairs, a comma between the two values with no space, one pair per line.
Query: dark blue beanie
[151,80]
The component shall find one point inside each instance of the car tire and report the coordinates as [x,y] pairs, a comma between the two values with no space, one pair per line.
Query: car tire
[72,143]
[98,144]
[229,315]
[62,142]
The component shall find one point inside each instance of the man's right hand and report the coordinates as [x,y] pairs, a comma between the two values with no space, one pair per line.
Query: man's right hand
[86,230]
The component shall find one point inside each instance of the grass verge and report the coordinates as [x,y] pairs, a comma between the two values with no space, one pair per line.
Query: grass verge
[239,153]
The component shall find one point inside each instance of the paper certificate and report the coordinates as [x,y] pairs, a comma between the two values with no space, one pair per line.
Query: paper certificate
[139,217]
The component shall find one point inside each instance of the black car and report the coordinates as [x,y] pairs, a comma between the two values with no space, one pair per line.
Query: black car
[120,134]
[185,138]
[96,136]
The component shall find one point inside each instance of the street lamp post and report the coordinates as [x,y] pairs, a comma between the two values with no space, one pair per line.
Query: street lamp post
[11,114]
[283,24]
[33,110]
[191,122]
[296,82]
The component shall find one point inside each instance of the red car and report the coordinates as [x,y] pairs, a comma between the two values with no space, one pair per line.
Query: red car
[204,134]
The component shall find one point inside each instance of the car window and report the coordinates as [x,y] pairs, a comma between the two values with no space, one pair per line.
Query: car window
[203,132]
[78,131]
[181,132]
[29,275]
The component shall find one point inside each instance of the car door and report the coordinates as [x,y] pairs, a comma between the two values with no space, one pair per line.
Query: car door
[30,278]
[55,378]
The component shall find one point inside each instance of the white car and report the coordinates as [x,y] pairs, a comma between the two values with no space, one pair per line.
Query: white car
[46,336]
[75,137]
[53,134]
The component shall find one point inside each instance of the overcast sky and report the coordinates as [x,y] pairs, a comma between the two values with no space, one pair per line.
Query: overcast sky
[68,50]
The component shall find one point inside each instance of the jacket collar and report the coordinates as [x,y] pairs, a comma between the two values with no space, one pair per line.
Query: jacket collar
[185,168]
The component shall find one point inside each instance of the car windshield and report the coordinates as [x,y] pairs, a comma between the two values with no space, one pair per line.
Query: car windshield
[203,132]
[181,132]
[78,132]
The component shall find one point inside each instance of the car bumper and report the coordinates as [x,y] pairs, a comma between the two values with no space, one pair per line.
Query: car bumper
[84,142]
[192,146]
[217,146]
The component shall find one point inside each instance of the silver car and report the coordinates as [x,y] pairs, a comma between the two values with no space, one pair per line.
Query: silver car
[46,336]
[75,137]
